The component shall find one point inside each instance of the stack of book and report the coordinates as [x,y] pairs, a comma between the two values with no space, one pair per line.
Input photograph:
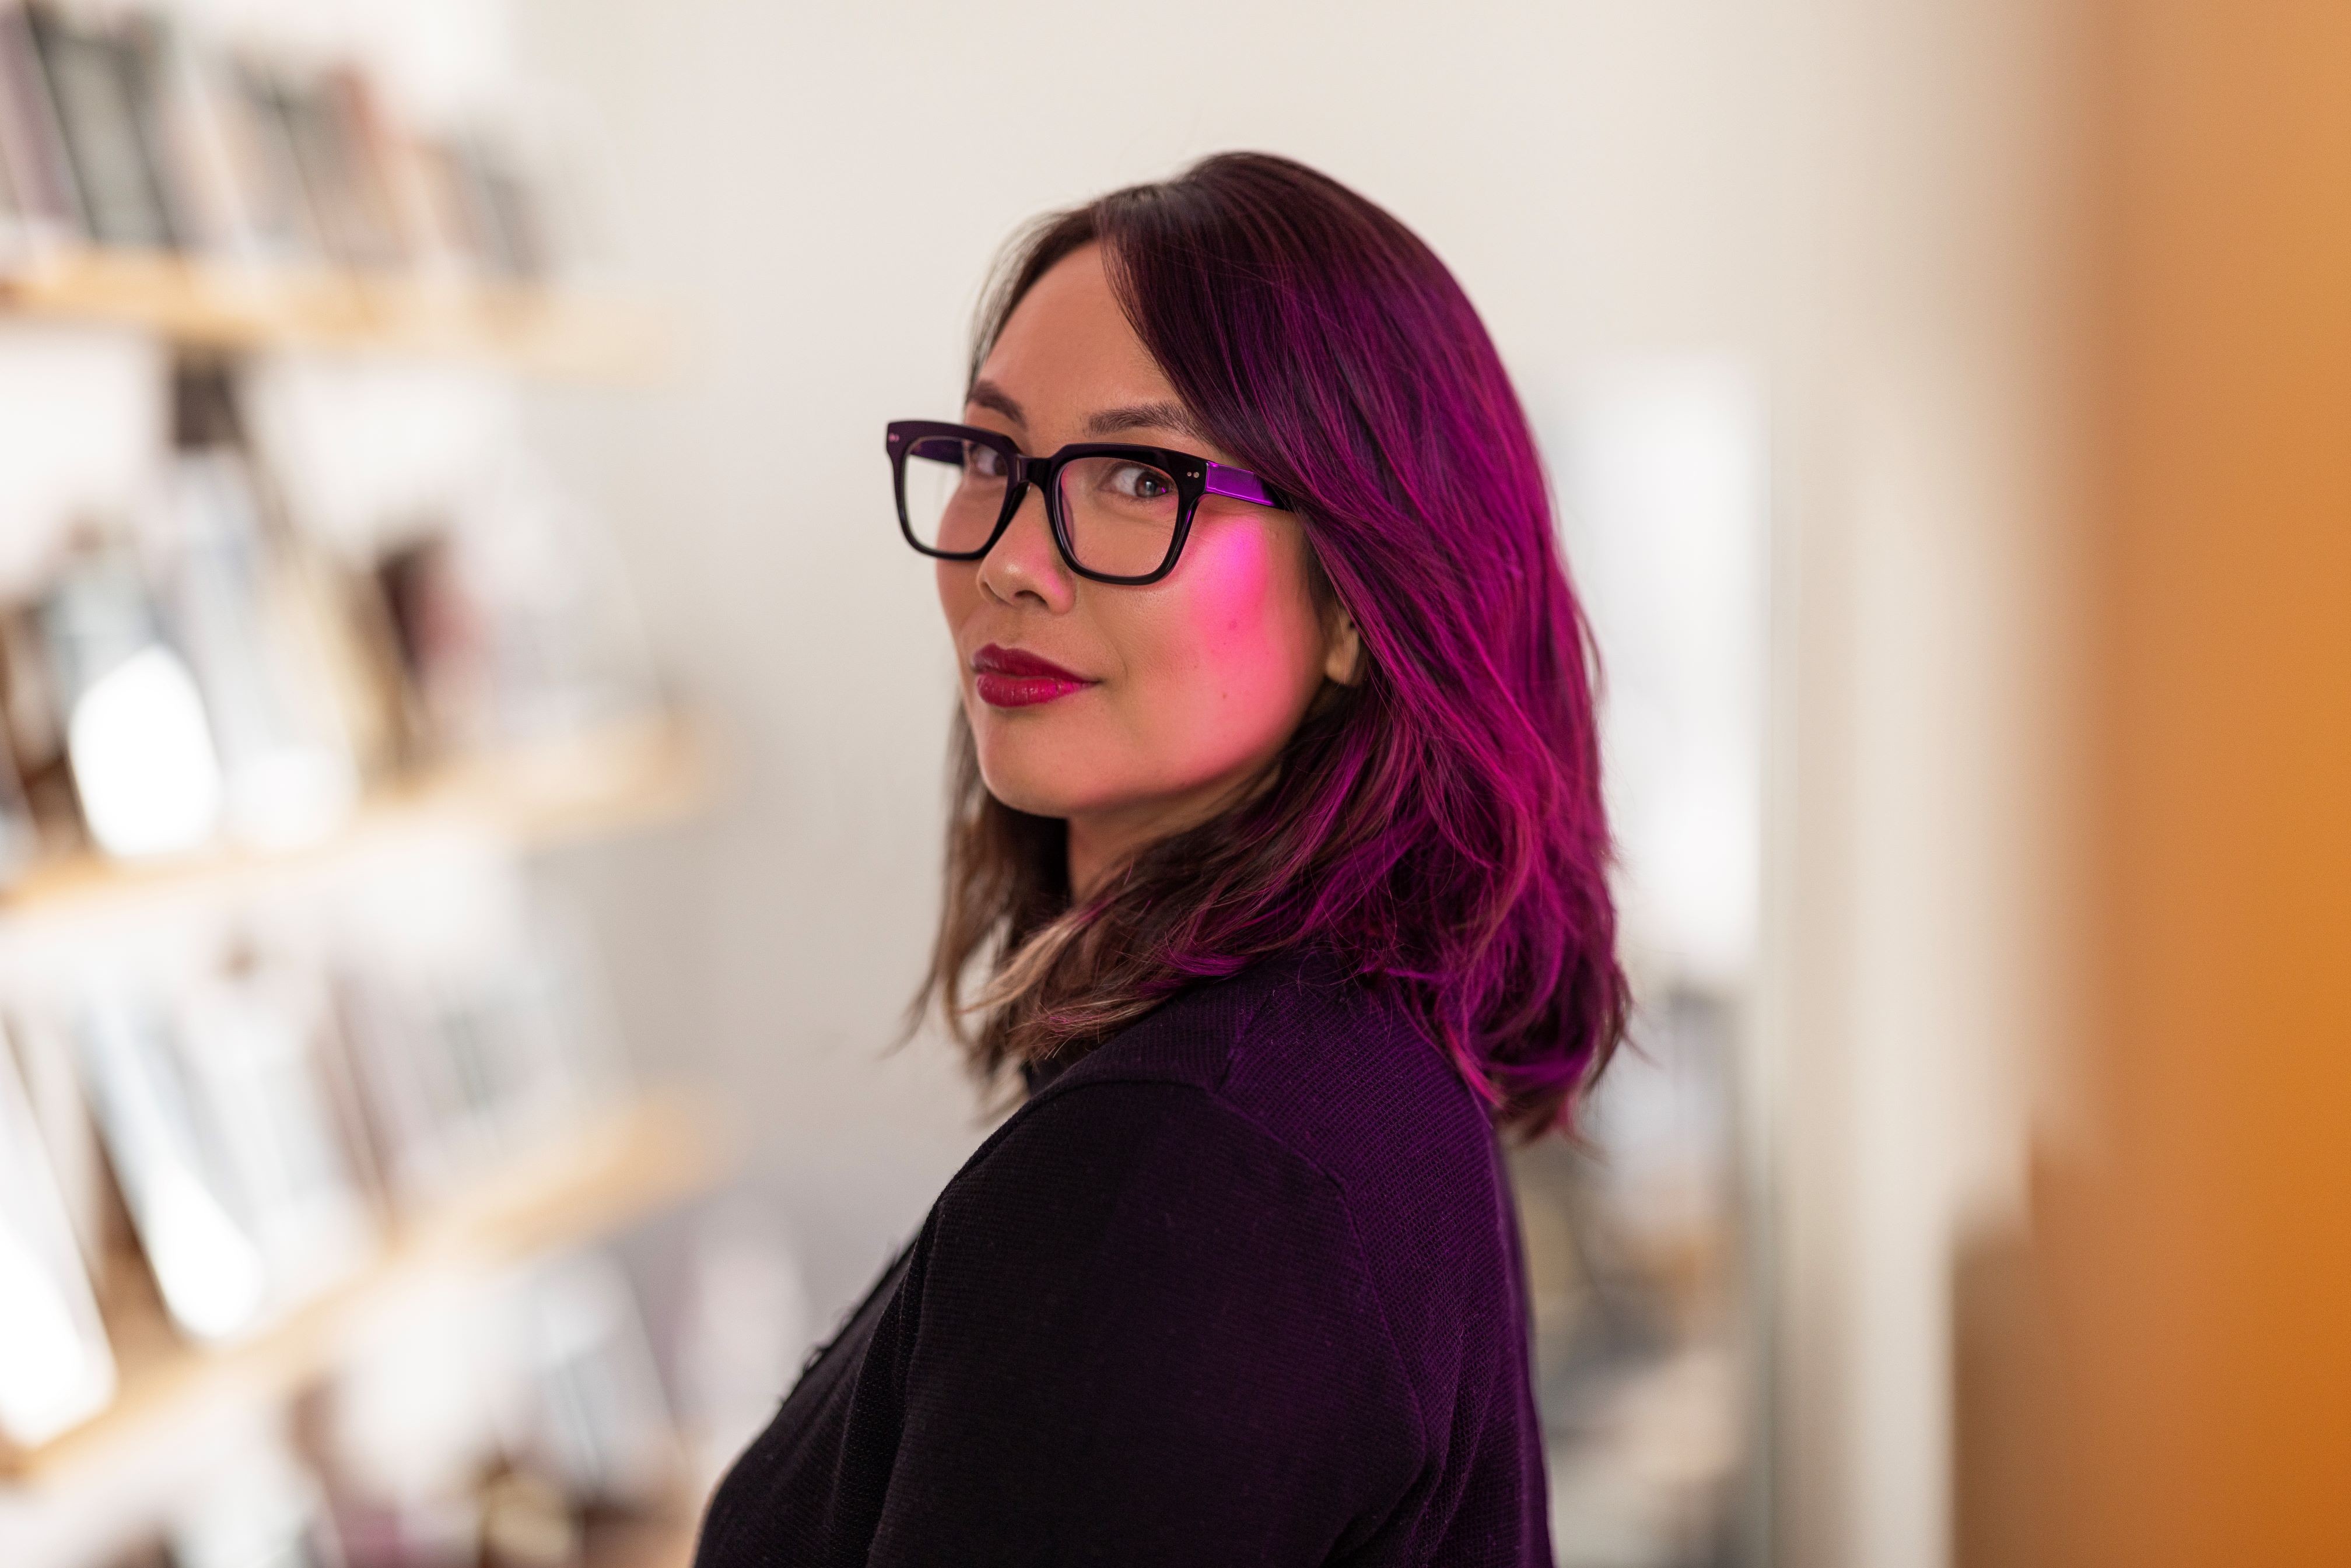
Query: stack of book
[208,671]
[128,131]
[201,1153]
[244,1133]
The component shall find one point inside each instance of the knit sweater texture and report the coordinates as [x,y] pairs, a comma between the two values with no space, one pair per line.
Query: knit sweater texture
[1241,1285]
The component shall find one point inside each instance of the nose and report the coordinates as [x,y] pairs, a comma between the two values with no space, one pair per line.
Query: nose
[1024,561]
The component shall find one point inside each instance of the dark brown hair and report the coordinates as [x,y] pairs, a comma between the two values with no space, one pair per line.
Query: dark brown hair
[1438,824]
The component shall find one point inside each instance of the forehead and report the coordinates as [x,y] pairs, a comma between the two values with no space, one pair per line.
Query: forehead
[1068,348]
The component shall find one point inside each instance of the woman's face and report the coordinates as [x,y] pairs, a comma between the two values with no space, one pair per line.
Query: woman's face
[1178,690]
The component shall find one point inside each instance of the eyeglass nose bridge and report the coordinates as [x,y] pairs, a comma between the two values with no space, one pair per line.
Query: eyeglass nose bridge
[1027,473]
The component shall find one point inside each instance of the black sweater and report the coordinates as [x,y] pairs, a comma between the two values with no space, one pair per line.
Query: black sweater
[1242,1285]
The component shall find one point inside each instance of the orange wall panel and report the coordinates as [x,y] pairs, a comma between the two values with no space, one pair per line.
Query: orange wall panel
[2200,1260]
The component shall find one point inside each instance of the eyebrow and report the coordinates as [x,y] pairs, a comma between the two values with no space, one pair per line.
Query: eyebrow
[1172,416]
[986,393]
[1162,415]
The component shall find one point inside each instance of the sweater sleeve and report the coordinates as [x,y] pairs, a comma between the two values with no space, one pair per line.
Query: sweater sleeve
[1142,1335]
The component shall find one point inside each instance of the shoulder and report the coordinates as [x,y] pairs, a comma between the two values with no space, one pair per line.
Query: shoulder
[1075,1159]
[1274,1181]
[1138,1329]
[1332,1067]
[1214,1158]
[1131,1274]
[1381,1145]
[1292,1095]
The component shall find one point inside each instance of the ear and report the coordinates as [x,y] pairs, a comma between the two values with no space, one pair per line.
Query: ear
[1342,650]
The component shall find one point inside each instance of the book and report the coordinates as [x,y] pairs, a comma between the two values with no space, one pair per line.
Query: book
[599,1422]
[207,1263]
[179,109]
[138,741]
[56,1367]
[469,1054]
[337,157]
[250,1032]
[43,207]
[289,776]
[96,82]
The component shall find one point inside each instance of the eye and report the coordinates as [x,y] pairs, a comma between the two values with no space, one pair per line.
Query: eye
[983,462]
[1140,482]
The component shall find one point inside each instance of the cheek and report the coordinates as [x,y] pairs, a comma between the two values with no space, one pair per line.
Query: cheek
[1232,655]
[958,586]
[959,594]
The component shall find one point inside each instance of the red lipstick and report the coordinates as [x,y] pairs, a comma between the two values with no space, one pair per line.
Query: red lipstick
[1007,677]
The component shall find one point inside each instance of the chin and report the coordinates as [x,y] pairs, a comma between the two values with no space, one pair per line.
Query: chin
[1031,775]
[1037,803]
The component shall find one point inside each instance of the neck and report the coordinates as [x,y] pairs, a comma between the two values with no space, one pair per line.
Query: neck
[1099,842]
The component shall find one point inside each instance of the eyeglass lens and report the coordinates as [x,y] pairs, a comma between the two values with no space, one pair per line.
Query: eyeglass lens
[1120,513]
[955,492]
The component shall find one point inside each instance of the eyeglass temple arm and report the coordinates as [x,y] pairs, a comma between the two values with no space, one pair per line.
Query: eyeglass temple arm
[1243,486]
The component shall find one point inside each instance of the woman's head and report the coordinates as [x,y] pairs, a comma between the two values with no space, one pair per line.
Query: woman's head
[1126,711]
[1364,719]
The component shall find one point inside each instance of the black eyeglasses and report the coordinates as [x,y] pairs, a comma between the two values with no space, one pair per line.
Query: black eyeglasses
[1119,513]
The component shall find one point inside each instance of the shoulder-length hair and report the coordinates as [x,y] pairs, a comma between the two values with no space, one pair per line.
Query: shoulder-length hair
[1438,823]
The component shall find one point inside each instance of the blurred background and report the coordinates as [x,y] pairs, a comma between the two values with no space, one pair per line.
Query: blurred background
[471,793]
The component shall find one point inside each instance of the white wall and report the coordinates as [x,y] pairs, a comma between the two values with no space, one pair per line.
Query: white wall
[1924,731]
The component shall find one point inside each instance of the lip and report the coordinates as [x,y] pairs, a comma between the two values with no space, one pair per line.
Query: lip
[1012,677]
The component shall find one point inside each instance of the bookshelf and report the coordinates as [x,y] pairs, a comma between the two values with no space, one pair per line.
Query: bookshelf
[193,302]
[289,570]
[633,773]
[624,1167]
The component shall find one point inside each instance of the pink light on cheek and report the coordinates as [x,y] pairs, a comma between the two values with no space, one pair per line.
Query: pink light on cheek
[1239,630]
[1229,596]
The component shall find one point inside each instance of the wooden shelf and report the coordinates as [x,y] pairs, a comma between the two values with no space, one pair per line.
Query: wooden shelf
[607,780]
[652,768]
[603,1176]
[662,1540]
[217,305]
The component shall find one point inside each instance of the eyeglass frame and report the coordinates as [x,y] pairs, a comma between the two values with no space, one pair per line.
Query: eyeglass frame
[1196,477]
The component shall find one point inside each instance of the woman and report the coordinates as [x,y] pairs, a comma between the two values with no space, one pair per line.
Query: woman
[1277,826]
